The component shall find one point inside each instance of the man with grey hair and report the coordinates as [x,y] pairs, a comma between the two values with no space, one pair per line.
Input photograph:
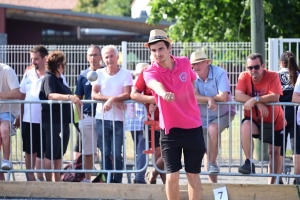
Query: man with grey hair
[87,124]
[113,86]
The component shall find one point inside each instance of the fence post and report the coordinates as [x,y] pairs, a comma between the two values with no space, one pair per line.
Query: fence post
[273,54]
[124,54]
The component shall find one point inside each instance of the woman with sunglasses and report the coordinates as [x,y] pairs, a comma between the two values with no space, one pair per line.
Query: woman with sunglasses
[56,117]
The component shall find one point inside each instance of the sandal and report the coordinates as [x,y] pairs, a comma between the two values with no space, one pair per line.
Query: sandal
[148,180]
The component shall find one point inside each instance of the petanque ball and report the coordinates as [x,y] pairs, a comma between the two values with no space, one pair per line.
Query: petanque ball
[92,76]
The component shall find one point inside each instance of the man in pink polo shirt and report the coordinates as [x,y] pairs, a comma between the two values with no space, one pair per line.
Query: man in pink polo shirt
[171,80]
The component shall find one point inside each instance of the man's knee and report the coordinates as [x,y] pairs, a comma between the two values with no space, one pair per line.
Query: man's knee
[276,151]
[213,131]
[5,129]
[247,126]
[173,177]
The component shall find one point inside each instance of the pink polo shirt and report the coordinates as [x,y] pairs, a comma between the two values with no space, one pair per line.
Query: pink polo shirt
[183,112]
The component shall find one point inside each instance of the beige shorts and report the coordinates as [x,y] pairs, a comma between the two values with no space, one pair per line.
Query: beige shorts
[88,135]
[223,124]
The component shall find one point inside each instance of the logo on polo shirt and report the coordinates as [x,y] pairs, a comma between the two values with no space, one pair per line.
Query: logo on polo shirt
[183,76]
[88,83]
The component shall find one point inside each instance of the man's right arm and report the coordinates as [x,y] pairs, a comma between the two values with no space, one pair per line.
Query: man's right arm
[96,95]
[138,96]
[240,96]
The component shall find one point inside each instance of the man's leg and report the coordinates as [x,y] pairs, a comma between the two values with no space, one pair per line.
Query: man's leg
[1,174]
[211,158]
[194,186]
[57,166]
[89,143]
[158,161]
[117,150]
[38,165]
[5,136]
[277,162]
[246,127]
[47,165]
[172,186]
[104,144]
[139,142]
[30,160]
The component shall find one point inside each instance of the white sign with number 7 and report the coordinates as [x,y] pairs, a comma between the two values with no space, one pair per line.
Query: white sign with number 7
[221,193]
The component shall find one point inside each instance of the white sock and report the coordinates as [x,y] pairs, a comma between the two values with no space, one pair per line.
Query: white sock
[251,160]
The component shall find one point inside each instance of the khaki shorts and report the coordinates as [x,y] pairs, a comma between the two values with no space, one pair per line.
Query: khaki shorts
[223,124]
[88,135]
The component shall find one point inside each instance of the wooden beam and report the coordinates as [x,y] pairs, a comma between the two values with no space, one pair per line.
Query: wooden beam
[141,191]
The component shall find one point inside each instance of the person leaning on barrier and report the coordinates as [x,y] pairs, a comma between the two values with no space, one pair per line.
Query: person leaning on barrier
[141,93]
[171,79]
[53,88]
[267,89]
[112,86]
[288,76]
[87,124]
[290,80]
[31,113]
[135,117]
[9,90]
[211,86]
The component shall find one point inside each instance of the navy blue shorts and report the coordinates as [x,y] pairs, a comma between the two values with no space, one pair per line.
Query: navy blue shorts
[190,142]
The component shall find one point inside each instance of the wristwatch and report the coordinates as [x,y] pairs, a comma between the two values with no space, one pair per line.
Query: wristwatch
[256,98]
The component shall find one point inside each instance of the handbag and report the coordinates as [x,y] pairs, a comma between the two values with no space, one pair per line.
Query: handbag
[266,133]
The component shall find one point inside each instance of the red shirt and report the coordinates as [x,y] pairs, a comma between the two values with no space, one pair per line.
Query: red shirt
[140,86]
[270,84]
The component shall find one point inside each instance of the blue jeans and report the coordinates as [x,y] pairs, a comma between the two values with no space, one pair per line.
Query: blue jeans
[109,152]
[140,157]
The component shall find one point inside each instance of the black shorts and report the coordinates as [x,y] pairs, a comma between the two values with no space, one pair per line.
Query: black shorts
[278,140]
[37,140]
[289,129]
[188,141]
[156,138]
[56,149]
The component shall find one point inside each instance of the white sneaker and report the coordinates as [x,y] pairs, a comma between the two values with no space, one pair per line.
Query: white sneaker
[86,181]
[40,180]
[6,165]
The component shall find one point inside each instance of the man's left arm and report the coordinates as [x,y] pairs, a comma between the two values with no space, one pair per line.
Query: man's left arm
[275,91]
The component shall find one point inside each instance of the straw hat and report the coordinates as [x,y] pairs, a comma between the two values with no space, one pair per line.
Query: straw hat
[198,56]
[157,35]
[139,67]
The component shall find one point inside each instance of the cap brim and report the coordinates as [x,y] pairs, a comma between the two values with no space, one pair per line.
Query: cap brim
[198,61]
[167,40]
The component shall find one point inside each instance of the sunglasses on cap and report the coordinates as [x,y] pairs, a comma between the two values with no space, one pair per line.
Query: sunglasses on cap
[256,67]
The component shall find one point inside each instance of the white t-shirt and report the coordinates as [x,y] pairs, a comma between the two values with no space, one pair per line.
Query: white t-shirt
[31,85]
[112,86]
[8,81]
[297,89]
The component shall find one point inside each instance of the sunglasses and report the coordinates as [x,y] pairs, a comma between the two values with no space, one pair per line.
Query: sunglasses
[256,67]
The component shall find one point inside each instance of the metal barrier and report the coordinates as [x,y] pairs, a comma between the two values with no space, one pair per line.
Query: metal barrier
[230,154]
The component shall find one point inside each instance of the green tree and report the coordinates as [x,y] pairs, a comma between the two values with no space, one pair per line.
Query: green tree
[224,20]
[105,7]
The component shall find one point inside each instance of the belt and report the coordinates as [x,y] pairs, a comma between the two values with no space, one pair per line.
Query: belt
[87,113]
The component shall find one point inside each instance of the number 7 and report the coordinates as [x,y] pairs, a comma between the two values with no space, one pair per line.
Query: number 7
[220,195]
